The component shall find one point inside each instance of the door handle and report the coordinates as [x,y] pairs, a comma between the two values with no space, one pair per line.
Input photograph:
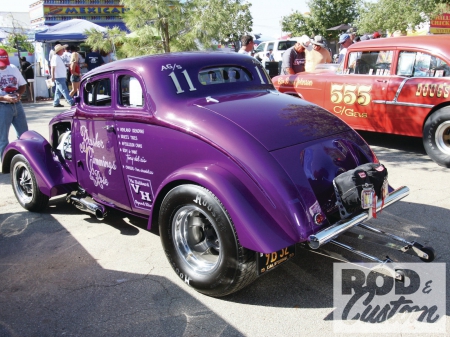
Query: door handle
[109,128]
[383,81]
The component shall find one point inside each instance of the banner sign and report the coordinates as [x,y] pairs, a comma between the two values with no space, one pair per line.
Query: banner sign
[441,24]
[84,10]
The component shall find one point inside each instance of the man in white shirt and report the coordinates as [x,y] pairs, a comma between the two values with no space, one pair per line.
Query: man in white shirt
[50,56]
[247,44]
[66,56]
[12,87]
[59,77]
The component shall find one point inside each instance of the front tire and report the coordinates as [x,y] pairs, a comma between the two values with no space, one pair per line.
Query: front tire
[436,136]
[201,244]
[25,187]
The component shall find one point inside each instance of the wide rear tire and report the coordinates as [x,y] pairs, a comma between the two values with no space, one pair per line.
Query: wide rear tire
[436,136]
[201,244]
[24,185]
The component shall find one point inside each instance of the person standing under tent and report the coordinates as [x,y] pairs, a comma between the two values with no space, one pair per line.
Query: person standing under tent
[59,77]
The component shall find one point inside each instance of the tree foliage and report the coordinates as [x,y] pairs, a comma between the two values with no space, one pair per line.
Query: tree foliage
[324,14]
[108,41]
[17,39]
[222,21]
[159,26]
[388,15]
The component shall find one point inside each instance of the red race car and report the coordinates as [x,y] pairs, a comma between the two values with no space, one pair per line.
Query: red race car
[395,85]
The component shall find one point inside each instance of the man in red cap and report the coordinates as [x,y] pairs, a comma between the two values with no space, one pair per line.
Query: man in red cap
[12,86]
[376,35]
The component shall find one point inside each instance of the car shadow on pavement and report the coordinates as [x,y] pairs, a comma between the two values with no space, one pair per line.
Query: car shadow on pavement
[404,143]
[50,285]
[126,224]
[306,281]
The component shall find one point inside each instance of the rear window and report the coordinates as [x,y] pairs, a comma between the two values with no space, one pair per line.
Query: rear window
[418,64]
[218,75]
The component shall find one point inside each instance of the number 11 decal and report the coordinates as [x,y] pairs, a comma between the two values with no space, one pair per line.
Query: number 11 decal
[177,84]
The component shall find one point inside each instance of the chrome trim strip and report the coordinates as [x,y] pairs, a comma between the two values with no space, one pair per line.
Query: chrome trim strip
[410,104]
[403,104]
[356,251]
[394,102]
[400,87]
[326,235]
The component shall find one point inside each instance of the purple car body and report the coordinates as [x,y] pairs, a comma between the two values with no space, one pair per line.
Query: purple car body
[145,127]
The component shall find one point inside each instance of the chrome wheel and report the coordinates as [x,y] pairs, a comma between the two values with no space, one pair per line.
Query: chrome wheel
[22,183]
[196,239]
[25,187]
[442,137]
[200,242]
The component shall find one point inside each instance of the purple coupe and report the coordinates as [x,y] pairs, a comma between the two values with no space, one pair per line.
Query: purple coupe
[233,173]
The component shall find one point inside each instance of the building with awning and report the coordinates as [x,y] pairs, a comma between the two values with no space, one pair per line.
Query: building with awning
[105,13]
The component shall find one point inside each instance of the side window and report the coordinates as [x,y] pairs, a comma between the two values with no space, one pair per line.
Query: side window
[417,64]
[98,92]
[130,92]
[370,63]
[260,47]
[270,46]
[282,46]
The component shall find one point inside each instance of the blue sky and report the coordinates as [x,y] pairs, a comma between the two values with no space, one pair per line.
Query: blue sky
[266,13]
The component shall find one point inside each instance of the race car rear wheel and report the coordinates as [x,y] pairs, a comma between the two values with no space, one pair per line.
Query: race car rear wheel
[436,136]
[201,244]
[25,187]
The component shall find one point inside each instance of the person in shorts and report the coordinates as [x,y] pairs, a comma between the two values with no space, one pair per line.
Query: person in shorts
[75,74]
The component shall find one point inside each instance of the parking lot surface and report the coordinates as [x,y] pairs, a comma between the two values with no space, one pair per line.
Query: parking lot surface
[64,273]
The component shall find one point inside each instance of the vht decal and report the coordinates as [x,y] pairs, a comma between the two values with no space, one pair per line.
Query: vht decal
[432,90]
[141,190]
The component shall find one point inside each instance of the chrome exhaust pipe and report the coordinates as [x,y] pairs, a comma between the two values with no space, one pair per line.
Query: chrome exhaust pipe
[88,206]
[322,237]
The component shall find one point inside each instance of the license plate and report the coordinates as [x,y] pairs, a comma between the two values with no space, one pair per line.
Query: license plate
[269,261]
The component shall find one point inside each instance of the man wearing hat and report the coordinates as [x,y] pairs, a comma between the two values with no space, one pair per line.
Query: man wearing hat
[12,87]
[294,57]
[319,54]
[59,77]
[345,41]
[364,37]
[376,35]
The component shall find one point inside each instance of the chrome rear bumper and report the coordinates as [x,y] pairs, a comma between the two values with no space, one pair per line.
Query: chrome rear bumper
[326,235]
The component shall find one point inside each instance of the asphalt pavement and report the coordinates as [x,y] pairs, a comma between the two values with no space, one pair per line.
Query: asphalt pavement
[64,273]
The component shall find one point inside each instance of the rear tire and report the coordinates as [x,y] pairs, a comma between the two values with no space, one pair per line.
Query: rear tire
[25,187]
[201,244]
[436,136]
